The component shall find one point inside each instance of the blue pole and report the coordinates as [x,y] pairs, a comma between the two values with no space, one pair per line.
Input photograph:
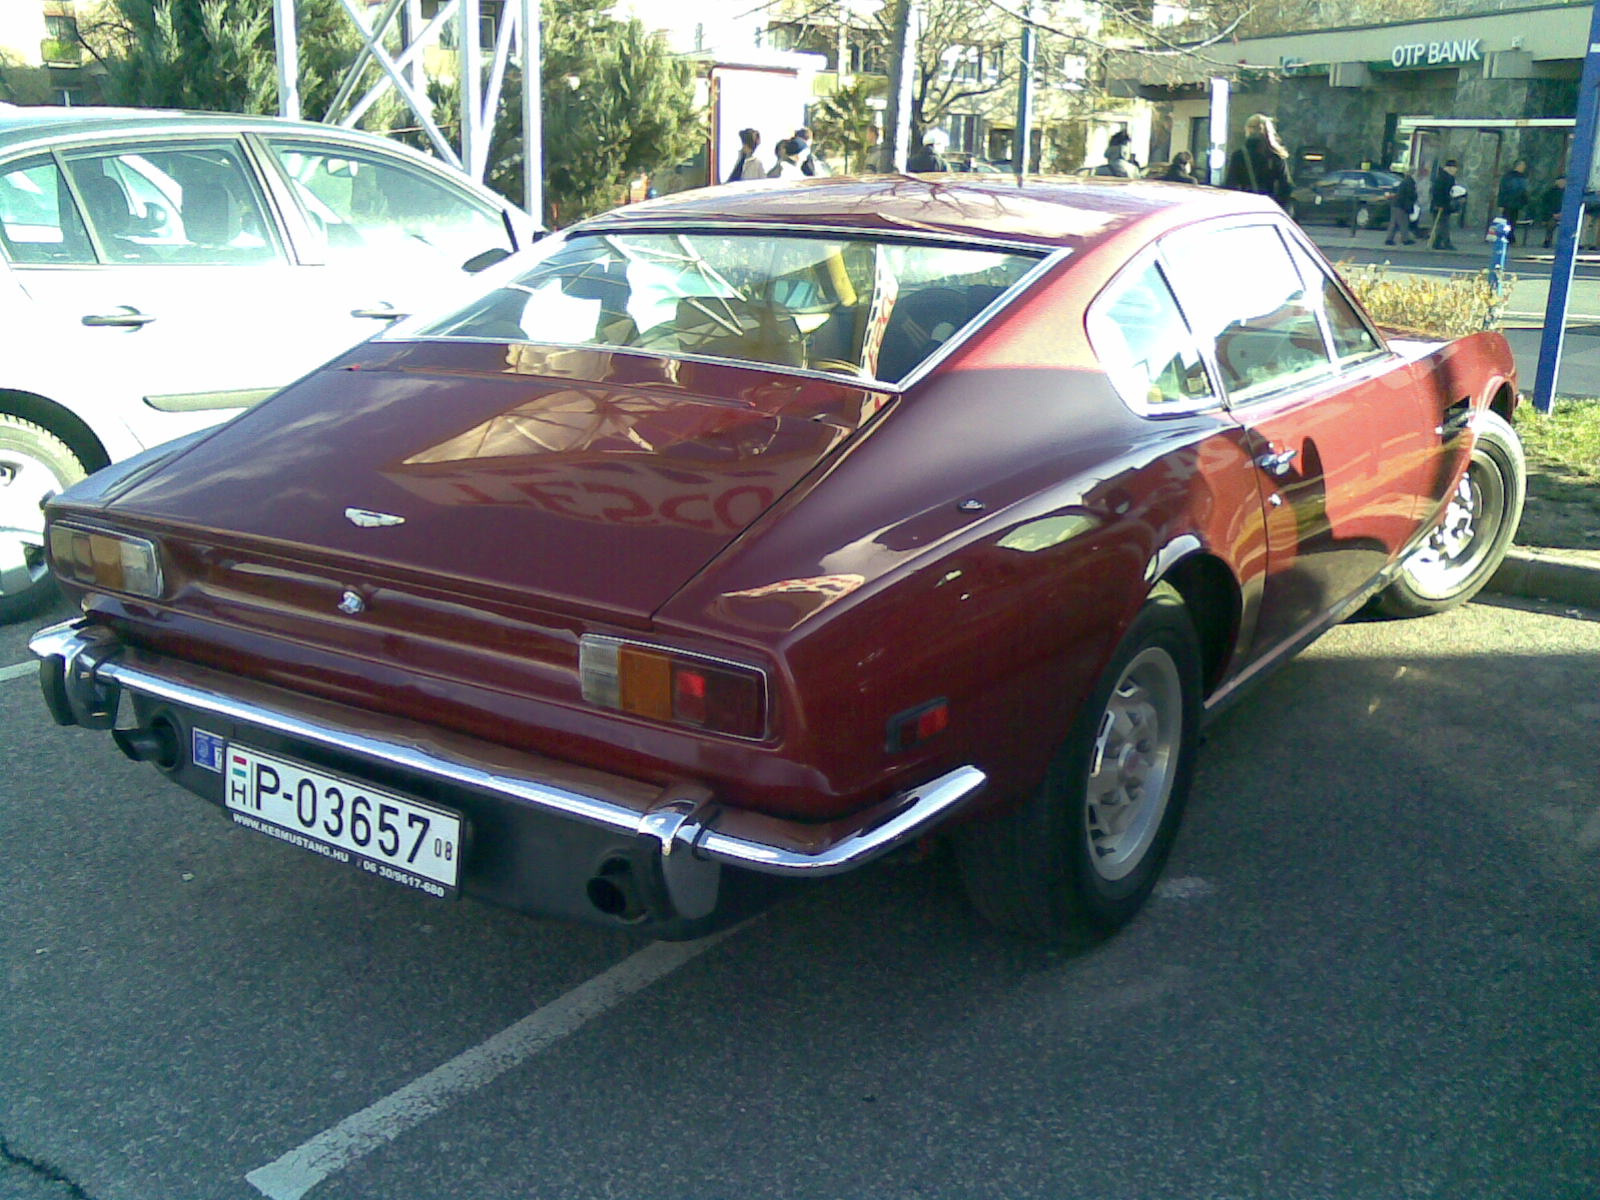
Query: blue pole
[1555,310]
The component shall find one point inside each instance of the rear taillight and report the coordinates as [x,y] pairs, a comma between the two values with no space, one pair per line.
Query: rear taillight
[672,686]
[116,562]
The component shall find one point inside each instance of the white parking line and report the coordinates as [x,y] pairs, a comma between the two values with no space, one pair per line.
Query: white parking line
[300,1170]
[16,672]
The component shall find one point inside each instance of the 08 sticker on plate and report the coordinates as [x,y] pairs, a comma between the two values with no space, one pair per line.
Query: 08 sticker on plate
[398,838]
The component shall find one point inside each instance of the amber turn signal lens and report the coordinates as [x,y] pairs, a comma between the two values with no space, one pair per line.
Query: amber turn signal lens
[666,685]
[116,562]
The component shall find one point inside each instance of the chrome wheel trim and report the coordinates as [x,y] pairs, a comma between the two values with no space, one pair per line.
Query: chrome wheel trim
[1133,762]
[25,481]
[1458,547]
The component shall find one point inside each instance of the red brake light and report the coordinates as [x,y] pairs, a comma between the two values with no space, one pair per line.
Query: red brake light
[665,685]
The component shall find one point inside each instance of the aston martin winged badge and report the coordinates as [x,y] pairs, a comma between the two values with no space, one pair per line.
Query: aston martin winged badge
[368,519]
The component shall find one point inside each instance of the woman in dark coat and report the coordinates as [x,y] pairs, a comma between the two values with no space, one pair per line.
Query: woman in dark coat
[1262,166]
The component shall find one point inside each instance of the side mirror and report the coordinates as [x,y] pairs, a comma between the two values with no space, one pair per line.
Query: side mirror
[482,262]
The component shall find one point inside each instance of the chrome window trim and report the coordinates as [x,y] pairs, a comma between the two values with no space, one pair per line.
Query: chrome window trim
[1296,234]
[1151,256]
[1335,371]
[283,253]
[956,241]
[1048,260]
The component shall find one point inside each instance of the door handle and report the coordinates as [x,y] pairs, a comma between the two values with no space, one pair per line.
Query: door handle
[385,313]
[1277,462]
[125,317]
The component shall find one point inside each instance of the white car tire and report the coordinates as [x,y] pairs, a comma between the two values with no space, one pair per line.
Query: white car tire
[34,464]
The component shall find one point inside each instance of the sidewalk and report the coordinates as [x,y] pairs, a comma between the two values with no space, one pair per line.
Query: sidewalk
[1564,576]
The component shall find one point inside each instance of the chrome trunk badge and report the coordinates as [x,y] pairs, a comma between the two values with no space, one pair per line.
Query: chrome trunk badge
[351,603]
[367,519]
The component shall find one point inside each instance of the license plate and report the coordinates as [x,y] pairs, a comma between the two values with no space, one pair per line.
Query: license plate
[396,838]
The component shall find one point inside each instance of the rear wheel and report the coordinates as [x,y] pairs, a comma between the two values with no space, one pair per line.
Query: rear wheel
[1480,519]
[1083,852]
[34,464]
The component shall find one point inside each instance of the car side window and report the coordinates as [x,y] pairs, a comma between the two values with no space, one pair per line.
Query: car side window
[1248,300]
[1144,345]
[359,205]
[175,204]
[39,223]
[1351,338]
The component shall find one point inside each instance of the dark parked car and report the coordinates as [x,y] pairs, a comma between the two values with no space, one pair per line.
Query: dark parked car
[760,532]
[1358,198]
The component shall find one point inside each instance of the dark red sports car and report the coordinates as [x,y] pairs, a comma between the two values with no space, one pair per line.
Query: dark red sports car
[762,531]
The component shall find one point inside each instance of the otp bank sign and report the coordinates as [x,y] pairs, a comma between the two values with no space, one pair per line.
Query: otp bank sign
[1432,54]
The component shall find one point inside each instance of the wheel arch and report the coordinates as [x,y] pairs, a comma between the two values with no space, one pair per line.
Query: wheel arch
[61,421]
[1211,594]
[1503,401]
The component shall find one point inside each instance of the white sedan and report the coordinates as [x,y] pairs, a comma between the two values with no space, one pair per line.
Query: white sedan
[161,271]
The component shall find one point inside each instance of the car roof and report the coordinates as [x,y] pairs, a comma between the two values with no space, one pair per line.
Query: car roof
[1047,210]
[45,123]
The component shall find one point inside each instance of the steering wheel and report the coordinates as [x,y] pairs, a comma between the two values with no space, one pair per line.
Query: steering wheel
[837,364]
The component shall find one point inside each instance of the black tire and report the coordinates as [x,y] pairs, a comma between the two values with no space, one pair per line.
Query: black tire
[1054,867]
[34,463]
[1453,565]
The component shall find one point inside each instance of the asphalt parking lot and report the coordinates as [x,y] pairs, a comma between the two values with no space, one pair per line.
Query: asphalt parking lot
[1373,970]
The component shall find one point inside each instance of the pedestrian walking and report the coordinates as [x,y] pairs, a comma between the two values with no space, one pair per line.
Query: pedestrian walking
[1180,169]
[788,164]
[1513,195]
[1262,164]
[748,165]
[1401,203]
[931,156]
[1442,199]
[1120,162]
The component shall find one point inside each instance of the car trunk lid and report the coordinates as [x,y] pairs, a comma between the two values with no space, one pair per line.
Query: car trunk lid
[582,480]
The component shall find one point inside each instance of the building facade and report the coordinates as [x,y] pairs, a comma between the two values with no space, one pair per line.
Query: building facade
[1486,90]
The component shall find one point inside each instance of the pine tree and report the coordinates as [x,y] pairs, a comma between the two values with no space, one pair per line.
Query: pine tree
[221,55]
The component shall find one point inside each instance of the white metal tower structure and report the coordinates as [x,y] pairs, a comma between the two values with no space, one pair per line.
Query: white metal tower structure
[403,73]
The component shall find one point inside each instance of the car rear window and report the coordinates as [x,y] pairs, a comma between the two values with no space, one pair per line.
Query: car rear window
[857,307]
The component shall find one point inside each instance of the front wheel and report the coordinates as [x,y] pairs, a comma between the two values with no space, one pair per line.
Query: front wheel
[1084,851]
[34,464]
[1480,519]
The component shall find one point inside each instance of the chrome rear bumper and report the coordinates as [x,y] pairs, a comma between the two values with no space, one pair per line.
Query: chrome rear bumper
[84,670]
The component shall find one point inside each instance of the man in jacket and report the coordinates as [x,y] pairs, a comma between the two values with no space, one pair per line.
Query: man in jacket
[931,156]
[1513,195]
[1401,201]
[1442,203]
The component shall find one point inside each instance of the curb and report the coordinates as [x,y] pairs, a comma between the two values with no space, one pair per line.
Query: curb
[1564,576]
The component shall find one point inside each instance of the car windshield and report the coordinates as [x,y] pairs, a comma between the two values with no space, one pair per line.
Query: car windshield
[858,307]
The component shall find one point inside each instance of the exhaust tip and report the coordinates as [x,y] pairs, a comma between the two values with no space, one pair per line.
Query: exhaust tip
[156,744]
[614,891]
